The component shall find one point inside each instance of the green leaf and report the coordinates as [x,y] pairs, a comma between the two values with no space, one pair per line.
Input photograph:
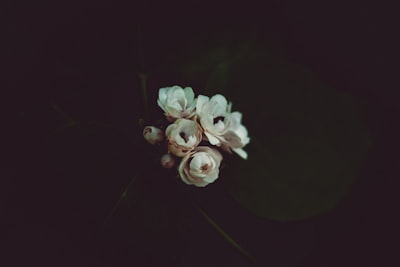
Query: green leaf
[307,141]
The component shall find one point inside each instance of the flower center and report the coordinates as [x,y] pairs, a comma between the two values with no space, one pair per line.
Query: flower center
[182,104]
[204,167]
[218,119]
[183,135]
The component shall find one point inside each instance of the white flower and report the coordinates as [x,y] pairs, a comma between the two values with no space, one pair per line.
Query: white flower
[221,127]
[201,166]
[236,137]
[214,115]
[153,135]
[176,102]
[167,161]
[183,136]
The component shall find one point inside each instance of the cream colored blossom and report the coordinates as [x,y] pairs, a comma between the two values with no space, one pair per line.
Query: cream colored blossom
[200,167]
[183,136]
[222,127]
[176,102]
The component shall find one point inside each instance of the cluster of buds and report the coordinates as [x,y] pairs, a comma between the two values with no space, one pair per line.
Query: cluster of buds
[198,129]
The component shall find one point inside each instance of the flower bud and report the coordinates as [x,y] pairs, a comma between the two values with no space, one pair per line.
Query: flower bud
[167,161]
[153,135]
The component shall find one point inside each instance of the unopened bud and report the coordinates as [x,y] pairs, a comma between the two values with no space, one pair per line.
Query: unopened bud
[167,161]
[153,135]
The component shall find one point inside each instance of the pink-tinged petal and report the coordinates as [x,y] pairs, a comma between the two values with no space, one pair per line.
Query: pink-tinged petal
[231,139]
[167,161]
[169,129]
[153,135]
[183,136]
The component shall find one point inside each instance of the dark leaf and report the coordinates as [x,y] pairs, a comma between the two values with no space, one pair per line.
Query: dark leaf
[307,141]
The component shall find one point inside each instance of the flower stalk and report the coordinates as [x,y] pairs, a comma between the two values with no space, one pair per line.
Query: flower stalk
[227,237]
[143,86]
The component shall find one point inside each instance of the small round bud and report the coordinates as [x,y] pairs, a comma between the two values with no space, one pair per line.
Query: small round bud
[167,161]
[153,135]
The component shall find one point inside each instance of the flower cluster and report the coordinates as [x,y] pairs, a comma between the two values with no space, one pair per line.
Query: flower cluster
[195,124]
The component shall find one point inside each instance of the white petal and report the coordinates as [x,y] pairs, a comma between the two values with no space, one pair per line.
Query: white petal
[221,100]
[169,129]
[234,121]
[172,90]
[203,184]
[237,116]
[219,126]
[231,140]
[162,95]
[240,152]
[179,140]
[172,109]
[192,140]
[228,109]
[191,106]
[243,134]
[215,109]
[189,94]
[212,139]
[178,94]
[211,177]
[160,104]
[216,155]
[196,162]
[201,100]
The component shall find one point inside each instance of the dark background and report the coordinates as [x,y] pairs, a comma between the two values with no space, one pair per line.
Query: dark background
[84,57]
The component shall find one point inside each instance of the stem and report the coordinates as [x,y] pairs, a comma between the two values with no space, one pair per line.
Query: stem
[116,205]
[143,85]
[69,121]
[142,72]
[140,47]
[227,237]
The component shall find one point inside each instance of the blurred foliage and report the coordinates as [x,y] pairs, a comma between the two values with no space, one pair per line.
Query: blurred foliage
[307,143]
[307,139]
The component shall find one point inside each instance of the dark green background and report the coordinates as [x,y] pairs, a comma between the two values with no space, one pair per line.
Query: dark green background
[57,190]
